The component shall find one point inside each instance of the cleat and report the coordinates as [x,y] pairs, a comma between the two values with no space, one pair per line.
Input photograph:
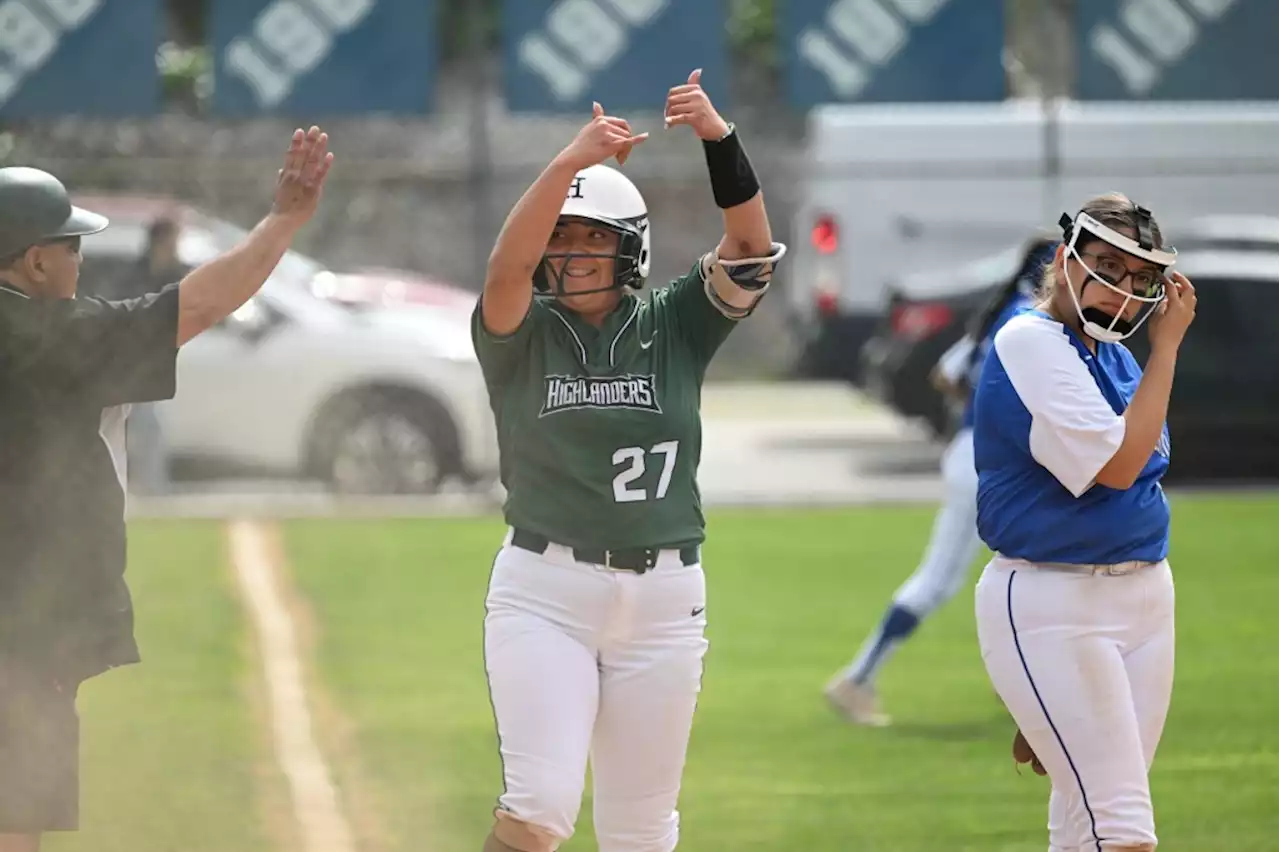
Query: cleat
[857,702]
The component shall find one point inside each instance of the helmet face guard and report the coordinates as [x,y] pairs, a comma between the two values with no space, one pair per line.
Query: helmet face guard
[627,260]
[1095,322]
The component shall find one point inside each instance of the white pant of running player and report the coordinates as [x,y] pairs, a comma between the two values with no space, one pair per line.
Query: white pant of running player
[1084,663]
[584,660]
[954,541]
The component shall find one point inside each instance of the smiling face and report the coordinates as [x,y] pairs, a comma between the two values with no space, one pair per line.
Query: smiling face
[582,257]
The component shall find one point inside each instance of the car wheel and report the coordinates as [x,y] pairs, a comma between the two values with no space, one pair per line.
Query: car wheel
[386,443]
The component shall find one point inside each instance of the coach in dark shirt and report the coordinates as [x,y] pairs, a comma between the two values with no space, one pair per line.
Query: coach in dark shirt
[69,367]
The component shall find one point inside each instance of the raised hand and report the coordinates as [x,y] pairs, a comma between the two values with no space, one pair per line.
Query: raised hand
[1167,328]
[689,104]
[603,137]
[300,183]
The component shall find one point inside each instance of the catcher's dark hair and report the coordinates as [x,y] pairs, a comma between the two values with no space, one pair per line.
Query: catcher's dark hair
[1037,255]
[1115,210]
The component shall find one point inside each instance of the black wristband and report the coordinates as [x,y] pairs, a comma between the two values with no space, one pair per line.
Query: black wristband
[733,181]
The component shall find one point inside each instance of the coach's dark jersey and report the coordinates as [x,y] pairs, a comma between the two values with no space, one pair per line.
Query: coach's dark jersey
[67,369]
[599,428]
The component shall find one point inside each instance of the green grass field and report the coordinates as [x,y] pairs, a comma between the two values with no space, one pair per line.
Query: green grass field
[174,752]
[177,756]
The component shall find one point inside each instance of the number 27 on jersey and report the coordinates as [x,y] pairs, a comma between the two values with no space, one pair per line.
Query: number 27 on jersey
[635,459]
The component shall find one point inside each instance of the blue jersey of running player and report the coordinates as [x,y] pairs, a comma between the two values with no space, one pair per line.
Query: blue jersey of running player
[1048,415]
[1018,302]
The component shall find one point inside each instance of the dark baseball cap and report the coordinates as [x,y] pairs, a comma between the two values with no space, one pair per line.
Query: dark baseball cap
[35,208]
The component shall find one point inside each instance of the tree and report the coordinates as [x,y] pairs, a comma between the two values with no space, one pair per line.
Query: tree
[752,30]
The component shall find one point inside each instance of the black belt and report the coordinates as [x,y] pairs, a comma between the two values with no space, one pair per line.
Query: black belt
[638,559]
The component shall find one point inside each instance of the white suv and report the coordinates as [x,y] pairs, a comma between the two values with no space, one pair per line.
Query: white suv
[365,399]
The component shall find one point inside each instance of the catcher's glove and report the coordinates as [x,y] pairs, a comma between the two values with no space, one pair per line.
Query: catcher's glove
[1022,753]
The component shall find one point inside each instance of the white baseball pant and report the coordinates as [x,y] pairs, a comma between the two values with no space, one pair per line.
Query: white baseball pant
[1084,663]
[583,661]
[954,541]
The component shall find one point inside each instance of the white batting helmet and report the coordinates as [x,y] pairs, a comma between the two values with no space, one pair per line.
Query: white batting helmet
[606,196]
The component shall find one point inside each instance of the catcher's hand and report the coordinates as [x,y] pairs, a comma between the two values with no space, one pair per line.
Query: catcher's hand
[1022,753]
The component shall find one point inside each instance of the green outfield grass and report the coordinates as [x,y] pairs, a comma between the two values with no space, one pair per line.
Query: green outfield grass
[397,609]
[175,758]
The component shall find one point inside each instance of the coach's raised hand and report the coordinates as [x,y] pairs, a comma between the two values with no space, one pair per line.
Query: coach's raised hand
[210,292]
[689,104]
[300,183]
[604,136]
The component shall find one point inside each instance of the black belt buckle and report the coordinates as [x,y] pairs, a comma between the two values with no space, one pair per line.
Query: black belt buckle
[640,560]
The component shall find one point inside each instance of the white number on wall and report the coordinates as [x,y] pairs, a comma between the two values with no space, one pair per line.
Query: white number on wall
[343,14]
[72,13]
[289,38]
[1138,73]
[637,13]
[858,37]
[1164,31]
[1162,26]
[846,76]
[587,31]
[919,11]
[27,42]
[293,36]
[873,30]
[1211,10]
[269,83]
[581,37]
[26,38]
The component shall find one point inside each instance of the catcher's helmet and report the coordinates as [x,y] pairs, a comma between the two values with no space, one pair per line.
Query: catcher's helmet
[35,208]
[604,195]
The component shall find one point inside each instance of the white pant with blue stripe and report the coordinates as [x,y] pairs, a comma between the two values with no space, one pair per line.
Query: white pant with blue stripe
[1084,663]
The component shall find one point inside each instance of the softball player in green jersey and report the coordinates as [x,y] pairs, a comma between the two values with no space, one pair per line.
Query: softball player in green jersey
[595,612]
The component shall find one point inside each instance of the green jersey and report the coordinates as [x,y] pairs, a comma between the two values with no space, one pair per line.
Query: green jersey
[599,429]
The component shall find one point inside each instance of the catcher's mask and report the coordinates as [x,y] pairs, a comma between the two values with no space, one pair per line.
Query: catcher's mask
[1148,286]
[604,196]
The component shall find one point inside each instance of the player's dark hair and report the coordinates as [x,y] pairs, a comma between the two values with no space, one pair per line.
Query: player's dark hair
[1113,209]
[1037,257]
[1116,211]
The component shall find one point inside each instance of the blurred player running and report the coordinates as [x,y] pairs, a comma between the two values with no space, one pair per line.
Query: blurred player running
[954,542]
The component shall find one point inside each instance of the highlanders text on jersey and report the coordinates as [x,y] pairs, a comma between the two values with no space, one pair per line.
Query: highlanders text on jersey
[600,428]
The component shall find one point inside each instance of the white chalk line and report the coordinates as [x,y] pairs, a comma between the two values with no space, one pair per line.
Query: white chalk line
[316,808]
